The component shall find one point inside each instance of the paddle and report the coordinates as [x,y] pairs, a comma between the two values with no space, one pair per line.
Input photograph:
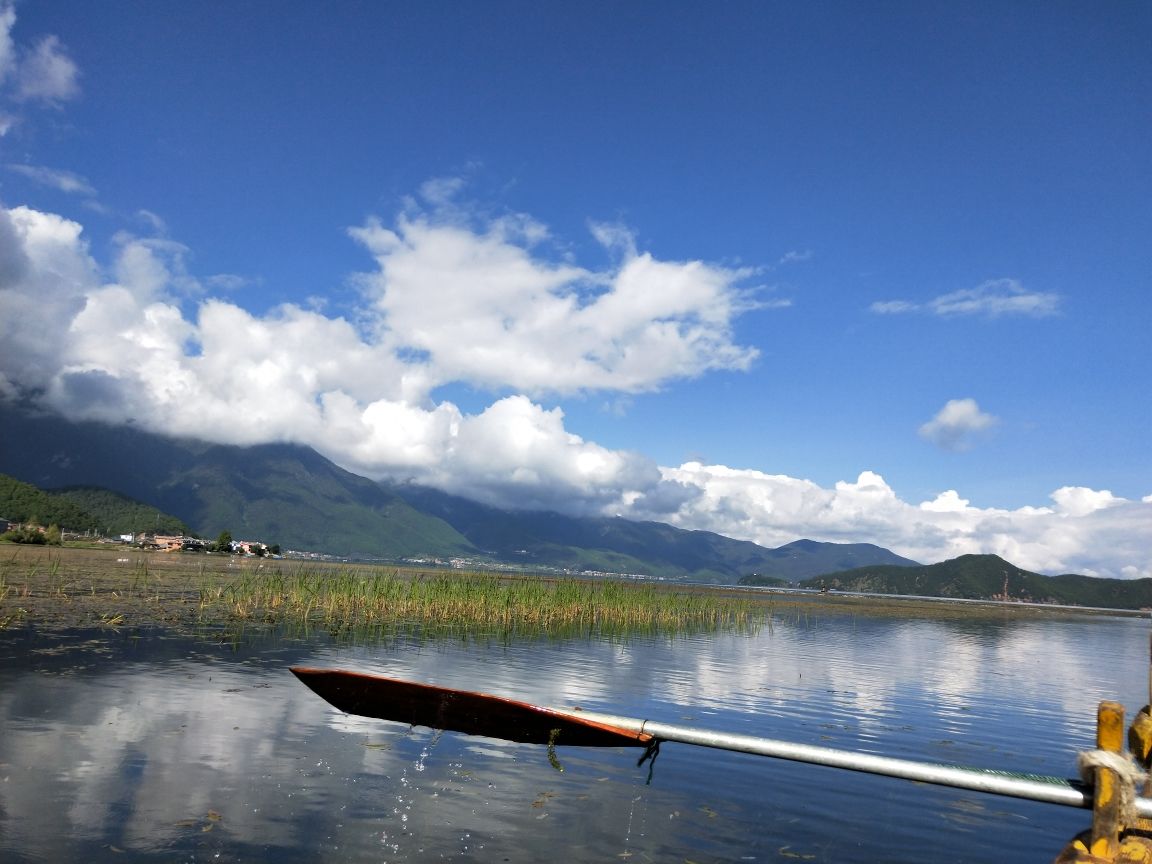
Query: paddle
[462,711]
[496,717]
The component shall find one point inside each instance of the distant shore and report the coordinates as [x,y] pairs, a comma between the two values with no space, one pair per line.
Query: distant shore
[77,587]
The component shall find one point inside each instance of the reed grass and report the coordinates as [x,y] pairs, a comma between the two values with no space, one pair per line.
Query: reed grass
[354,598]
[71,587]
[10,614]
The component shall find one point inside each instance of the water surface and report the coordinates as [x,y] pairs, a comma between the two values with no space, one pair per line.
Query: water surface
[141,747]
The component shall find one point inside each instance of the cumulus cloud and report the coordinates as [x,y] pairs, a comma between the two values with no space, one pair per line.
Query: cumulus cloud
[957,424]
[994,298]
[478,301]
[46,277]
[450,303]
[1081,501]
[1087,531]
[481,305]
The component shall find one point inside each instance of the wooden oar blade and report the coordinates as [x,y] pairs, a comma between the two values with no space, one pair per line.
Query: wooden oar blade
[461,710]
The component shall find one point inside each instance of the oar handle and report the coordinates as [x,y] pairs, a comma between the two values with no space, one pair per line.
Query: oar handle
[1034,787]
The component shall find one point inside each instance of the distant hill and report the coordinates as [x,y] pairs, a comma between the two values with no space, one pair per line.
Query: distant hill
[803,559]
[277,493]
[82,509]
[982,577]
[293,496]
[626,546]
[23,502]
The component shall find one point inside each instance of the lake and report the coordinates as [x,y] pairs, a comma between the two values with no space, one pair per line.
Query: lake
[150,746]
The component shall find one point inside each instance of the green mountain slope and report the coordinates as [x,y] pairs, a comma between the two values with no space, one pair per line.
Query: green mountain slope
[625,546]
[803,559]
[276,493]
[119,514]
[982,577]
[23,502]
[290,495]
[82,509]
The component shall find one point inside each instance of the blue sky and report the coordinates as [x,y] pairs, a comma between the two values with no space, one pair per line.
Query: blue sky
[775,270]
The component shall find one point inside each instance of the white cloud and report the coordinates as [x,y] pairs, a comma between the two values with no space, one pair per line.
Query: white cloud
[795,256]
[7,46]
[47,74]
[1080,501]
[482,306]
[441,191]
[614,237]
[64,181]
[121,347]
[119,344]
[993,299]
[893,307]
[44,281]
[1110,540]
[957,424]
[154,267]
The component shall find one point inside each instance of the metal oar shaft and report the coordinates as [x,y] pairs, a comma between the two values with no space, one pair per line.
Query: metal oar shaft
[1052,790]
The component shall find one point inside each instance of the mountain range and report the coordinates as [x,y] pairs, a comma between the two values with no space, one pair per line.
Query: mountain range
[291,495]
[100,475]
[990,577]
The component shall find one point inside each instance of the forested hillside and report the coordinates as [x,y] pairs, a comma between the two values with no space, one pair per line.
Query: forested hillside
[119,514]
[82,509]
[990,577]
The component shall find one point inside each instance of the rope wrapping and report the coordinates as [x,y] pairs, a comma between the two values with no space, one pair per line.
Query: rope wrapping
[1128,772]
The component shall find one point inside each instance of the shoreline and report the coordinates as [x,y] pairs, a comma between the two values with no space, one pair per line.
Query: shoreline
[82,587]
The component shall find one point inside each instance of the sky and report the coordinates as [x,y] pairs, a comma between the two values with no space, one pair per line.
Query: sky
[848,272]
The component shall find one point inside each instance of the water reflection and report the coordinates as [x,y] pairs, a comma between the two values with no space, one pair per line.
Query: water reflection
[165,748]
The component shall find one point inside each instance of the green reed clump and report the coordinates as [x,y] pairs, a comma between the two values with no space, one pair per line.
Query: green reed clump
[359,598]
[8,614]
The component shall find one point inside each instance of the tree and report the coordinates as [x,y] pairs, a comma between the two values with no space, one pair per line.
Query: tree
[223,542]
[52,536]
[24,534]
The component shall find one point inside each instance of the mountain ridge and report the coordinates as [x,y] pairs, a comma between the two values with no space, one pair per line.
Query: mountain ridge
[545,535]
[289,494]
[990,577]
[292,495]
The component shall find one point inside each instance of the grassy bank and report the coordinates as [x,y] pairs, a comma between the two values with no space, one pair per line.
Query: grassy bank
[74,587]
[82,587]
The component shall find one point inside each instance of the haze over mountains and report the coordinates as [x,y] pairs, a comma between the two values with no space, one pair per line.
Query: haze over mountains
[289,494]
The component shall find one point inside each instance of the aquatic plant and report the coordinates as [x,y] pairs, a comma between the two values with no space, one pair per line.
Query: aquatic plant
[355,597]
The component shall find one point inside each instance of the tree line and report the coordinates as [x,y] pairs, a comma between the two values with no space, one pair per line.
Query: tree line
[42,516]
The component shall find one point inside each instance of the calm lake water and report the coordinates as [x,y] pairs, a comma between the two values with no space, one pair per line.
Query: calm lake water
[130,747]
